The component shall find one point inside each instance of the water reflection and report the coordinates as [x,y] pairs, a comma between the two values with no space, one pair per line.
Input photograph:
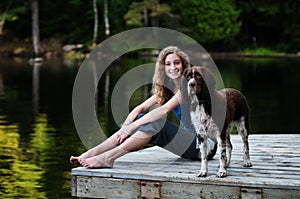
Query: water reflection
[20,176]
[35,86]
[36,130]
[37,133]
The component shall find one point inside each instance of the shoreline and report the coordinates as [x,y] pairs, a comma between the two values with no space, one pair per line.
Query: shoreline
[26,54]
[224,55]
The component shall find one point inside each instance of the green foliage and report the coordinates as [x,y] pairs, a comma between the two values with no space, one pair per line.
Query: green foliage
[220,24]
[273,23]
[74,23]
[261,51]
[209,21]
[75,2]
[116,12]
[140,13]
[13,13]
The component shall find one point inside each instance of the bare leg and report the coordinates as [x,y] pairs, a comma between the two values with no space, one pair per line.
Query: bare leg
[106,160]
[108,144]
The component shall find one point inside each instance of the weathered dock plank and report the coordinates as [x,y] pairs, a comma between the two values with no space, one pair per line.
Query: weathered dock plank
[157,173]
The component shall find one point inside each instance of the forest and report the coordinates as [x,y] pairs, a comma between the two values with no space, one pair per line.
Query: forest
[219,26]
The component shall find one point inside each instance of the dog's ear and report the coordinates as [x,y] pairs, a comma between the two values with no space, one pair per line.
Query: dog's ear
[185,72]
[184,85]
[208,78]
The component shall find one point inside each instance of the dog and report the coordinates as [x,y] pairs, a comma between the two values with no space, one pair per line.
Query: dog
[204,99]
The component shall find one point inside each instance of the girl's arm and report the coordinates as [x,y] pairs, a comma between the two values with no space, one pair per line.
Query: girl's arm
[159,112]
[140,109]
[127,127]
[156,114]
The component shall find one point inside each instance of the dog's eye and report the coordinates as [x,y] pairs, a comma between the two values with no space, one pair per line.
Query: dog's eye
[198,76]
[188,77]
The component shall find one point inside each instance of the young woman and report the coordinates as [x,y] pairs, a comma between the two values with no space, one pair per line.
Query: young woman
[147,122]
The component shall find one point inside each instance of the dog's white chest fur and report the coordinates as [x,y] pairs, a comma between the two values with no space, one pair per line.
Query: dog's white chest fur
[201,120]
[203,124]
[198,118]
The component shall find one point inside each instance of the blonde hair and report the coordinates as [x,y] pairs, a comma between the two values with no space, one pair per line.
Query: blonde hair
[163,85]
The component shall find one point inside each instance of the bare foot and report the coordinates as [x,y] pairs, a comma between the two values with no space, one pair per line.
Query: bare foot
[75,160]
[96,162]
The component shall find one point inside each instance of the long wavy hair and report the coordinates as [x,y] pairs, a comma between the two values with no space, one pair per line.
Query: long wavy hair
[164,87]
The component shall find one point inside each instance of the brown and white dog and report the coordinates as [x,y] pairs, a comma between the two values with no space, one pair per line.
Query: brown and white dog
[206,107]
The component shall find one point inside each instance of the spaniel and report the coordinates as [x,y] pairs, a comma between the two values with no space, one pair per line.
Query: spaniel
[213,112]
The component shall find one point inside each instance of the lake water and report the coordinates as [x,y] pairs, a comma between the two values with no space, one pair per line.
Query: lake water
[37,132]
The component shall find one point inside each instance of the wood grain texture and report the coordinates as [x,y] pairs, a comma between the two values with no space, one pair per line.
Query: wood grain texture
[275,173]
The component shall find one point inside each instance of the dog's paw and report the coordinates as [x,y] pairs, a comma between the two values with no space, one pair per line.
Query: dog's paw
[202,173]
[247,164]
[222,173]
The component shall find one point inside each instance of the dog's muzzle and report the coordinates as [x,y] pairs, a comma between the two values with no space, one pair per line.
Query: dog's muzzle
[191,87]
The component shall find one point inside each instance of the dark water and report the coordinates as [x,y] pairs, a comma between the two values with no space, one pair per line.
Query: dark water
[272,89]
[37,133]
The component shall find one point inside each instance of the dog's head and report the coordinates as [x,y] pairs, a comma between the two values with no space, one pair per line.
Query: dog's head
[198,80]
[196,86]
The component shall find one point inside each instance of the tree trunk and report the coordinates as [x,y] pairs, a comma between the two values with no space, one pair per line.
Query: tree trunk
[145,12]
[95,23]
[106,21]
[35,27]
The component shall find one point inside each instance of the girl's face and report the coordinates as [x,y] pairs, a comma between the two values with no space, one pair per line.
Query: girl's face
[173,66]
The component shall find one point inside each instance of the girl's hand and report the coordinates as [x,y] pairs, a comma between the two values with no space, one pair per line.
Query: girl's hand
[125,132]
[122,136]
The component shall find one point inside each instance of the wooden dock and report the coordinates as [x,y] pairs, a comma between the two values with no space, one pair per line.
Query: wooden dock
[157,173]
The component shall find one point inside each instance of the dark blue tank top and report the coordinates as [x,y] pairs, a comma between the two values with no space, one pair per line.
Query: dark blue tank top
[182,113]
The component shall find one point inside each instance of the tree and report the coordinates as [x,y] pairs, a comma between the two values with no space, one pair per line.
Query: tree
[3,17]
[209,21]
[106,21]
[71,21]
[95,22]
[140,13]
[216,24]
[117,10]
[274,23]
[35,27]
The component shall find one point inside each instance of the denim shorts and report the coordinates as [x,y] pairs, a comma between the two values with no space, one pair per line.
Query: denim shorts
[174,138]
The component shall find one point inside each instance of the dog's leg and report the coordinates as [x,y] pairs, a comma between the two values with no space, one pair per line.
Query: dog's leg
[228,145]
[198,119]
[203,150]
[202,136]
[241,127]
[222,156]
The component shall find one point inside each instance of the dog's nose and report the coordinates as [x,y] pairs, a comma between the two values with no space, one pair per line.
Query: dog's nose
[192,84]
